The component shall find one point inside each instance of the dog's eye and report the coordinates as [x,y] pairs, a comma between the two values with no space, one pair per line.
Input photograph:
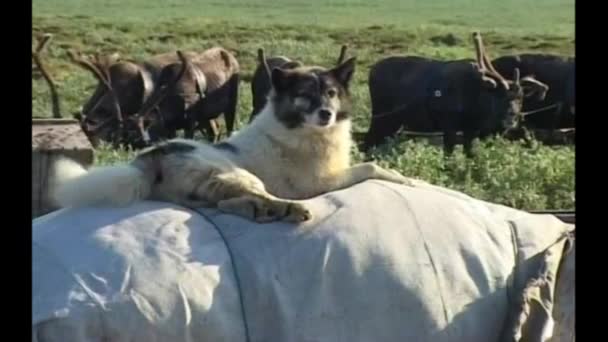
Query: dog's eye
[332,93]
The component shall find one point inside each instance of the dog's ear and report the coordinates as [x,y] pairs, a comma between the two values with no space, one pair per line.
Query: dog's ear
[280,79]
[343,73]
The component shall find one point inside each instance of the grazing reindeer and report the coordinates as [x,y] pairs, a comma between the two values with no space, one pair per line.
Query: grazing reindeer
[193,93]
[556,110]
[427,95]
[102,116]
[43,42]
[260,83]
[179,87]
[123,86]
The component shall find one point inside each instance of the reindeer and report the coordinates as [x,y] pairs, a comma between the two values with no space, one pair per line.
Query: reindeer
[43,42]
[207,87]
[428,95]
[260,83]
[125,85]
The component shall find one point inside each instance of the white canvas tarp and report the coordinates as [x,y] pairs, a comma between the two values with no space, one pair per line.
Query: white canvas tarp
[378,262]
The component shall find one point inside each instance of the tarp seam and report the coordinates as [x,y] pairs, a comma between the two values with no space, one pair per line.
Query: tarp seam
[234,271]
[427,250]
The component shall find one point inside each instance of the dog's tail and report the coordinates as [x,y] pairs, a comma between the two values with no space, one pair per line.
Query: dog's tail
[118,185]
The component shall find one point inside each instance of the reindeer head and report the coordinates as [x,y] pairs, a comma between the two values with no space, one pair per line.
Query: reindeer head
[180,85]
[499,97]
[123,87]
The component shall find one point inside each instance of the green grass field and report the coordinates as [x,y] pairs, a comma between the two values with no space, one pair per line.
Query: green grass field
[536,177]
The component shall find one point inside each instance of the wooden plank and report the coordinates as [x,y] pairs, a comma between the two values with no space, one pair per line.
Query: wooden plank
[567,216]
[51,121]
[58,134]
[41,169]
[37,160]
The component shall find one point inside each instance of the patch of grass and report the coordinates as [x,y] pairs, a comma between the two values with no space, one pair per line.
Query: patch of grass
[533,178]
[313,31]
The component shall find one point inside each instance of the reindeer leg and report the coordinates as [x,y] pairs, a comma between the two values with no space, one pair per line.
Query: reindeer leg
[210,130]
[555,120]
[449,141]
[190,124]
[214,130]
[230,112]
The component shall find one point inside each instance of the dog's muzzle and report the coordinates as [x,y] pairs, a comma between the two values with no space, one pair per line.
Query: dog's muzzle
[324,117]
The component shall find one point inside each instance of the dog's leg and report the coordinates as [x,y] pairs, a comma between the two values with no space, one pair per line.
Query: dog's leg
[263,209]
[364,171]
[241,193]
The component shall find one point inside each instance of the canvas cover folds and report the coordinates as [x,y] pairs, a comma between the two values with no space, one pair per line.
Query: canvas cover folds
[378,262]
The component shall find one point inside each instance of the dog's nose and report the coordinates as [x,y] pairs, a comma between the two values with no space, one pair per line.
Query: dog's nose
[324,114]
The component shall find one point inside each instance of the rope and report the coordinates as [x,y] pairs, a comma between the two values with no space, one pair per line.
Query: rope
[405,106]
[524,114]
[234,268]
[392,112]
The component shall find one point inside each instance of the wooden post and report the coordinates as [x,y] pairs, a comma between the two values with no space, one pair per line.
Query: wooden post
[51,139]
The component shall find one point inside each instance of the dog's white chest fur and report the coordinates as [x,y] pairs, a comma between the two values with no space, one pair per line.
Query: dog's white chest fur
[304,160]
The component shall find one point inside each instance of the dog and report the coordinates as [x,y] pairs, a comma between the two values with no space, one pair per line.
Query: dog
[298,147]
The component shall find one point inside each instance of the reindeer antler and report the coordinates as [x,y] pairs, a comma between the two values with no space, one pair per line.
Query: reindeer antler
[100,67]
[160,93]
[516,75]
[479,50]
[484,62]
[263,62]
[490,66]
[43,42]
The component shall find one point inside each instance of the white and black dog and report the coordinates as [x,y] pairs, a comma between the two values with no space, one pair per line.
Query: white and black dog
[298,147]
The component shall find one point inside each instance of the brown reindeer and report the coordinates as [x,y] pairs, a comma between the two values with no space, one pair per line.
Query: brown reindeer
[123,86]
[208,88]
[102,115]
[179,87]
[260,83]
[43,42]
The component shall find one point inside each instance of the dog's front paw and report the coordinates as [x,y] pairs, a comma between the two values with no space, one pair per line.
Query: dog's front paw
[264,210]
[397,177]
[298,213]
[279,210]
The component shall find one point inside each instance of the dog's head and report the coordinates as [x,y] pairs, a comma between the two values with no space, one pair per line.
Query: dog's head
[312,97]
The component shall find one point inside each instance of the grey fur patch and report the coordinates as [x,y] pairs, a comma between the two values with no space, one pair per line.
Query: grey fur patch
[226,146]
[165,148]
[193,197]
[149,160]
